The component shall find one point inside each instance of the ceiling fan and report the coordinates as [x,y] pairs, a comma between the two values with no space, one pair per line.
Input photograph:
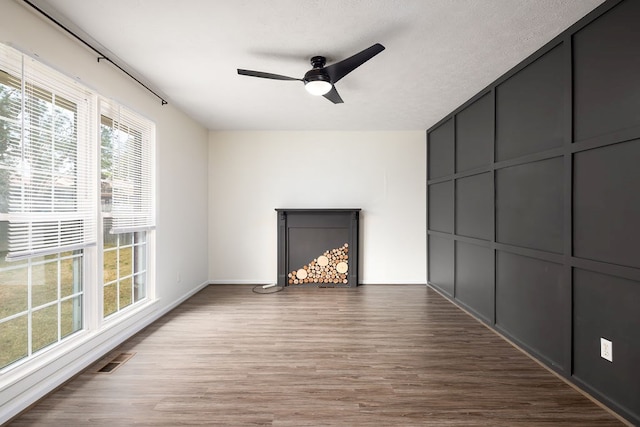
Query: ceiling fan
[321,80]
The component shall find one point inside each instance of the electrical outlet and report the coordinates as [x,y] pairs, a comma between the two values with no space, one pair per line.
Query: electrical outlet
[606,349]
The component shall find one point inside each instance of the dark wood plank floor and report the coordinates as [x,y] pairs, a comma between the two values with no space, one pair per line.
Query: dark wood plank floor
[374,356]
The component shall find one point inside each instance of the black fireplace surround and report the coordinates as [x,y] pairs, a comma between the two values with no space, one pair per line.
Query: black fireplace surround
[318,247]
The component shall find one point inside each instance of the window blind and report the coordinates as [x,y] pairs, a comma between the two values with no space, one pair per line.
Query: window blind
[130,173]
[52,165]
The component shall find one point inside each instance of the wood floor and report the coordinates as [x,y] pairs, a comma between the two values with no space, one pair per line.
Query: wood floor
[373,356]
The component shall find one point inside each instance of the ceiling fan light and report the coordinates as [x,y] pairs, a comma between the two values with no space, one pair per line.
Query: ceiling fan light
[318,87]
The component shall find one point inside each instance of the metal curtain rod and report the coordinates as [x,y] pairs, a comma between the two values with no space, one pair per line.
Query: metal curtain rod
[90,46]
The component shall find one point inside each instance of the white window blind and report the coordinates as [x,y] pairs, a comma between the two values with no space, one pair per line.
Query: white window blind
[52,166]
[130,177]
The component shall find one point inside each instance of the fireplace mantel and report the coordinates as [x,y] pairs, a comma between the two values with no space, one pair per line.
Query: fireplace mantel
[318,247]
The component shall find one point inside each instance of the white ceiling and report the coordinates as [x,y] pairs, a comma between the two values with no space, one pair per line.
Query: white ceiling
[439,53]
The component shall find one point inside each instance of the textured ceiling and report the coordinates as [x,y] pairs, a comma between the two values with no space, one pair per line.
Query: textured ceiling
[439,53]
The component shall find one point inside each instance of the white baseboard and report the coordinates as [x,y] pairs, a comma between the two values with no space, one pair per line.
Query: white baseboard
[241,282]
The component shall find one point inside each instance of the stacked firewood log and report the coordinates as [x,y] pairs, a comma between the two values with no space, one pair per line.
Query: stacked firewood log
[330,267]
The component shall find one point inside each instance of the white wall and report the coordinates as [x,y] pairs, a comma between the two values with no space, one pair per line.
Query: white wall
[252,173]
[181,236]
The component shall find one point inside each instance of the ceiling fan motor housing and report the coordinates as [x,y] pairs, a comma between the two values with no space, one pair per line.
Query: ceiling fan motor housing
[317,82]
[317,74]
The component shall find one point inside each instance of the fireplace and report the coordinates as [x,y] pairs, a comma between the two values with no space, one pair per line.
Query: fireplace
[318,247]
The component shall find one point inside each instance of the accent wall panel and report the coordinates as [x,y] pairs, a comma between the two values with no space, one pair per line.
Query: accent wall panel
[440,151]
[441,263]
[530,304]
[605,76]
[441,207]
[607,307]
[474,135]
[530,108]
[529,205]
[606,217]
[474,206]
[474,278]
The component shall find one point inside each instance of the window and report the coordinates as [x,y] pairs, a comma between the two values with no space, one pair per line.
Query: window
[125,269]
[126,185]
[42,303]
[63,241]
[47,210]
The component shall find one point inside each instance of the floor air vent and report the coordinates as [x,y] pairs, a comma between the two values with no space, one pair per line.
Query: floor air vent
[115,362]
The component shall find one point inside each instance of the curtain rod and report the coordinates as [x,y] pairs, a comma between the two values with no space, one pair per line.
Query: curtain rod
[90,46]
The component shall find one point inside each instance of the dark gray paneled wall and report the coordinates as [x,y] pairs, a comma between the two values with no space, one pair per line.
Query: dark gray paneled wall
[534,204]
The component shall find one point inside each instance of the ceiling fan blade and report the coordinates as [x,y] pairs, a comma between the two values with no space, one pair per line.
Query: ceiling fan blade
[265,75]
[333,96]
[340,69]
